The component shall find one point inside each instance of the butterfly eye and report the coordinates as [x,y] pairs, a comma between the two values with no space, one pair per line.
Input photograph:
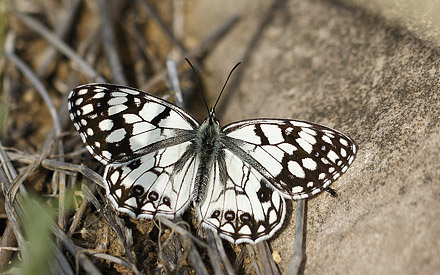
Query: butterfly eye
[213,120]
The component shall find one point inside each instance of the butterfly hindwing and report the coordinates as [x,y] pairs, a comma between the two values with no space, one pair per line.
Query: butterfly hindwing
[156,184]
[118,123]
[241,206]
[299,158]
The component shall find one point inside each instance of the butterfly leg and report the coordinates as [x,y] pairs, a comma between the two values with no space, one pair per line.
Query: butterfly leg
[331,191]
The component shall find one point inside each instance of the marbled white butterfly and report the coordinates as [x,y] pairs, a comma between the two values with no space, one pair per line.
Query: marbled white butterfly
[158,159]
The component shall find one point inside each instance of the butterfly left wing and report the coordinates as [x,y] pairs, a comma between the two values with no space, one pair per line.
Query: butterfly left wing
[263,161]
[240,204]
[300,159]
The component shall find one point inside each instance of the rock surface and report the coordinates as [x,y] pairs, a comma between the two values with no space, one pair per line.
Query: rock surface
[341,66]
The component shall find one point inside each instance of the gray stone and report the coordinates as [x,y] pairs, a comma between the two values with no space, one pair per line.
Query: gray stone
[354,71]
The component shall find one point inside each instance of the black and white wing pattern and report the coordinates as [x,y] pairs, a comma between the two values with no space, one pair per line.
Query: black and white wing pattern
[158,159]
[144,143]
[299,158]
[246,207]
[266,161]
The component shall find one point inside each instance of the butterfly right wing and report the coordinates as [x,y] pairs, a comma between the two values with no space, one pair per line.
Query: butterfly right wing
[144,143]
[156,184]
[118,123]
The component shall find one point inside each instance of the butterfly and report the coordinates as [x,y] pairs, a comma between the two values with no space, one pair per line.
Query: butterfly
[159,160]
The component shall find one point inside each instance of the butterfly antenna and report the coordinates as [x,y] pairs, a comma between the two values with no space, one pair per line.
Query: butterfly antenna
[198,83]
[224,85]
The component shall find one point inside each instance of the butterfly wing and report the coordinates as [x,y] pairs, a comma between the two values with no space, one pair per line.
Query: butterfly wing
[298,158]
[157,184]
[145,143]
[263,161]
[240,204]
[118,124]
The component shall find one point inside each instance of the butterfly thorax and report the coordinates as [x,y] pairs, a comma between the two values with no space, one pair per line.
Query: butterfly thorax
[208,147]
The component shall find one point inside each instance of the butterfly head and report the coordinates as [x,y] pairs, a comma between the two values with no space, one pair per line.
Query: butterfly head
[212,119]
[209,130]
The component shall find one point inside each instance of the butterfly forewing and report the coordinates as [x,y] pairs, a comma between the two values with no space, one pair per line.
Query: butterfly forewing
[118,123]
[299,158]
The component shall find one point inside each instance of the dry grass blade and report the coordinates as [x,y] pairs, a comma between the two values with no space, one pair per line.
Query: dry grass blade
[110,45]
[223,257]
[214,256]
[61,46]
[181,231]
[197,261]
[204,46]
[62,29]
[59,178]
[8,173]
[112,259]
[60,265]
[88,266]
[77,218]
[8,240]
[298,253]
[152,13]
[39,86]
[56,165]
[267,264]
[56,125]
[172,72]
[178,22]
